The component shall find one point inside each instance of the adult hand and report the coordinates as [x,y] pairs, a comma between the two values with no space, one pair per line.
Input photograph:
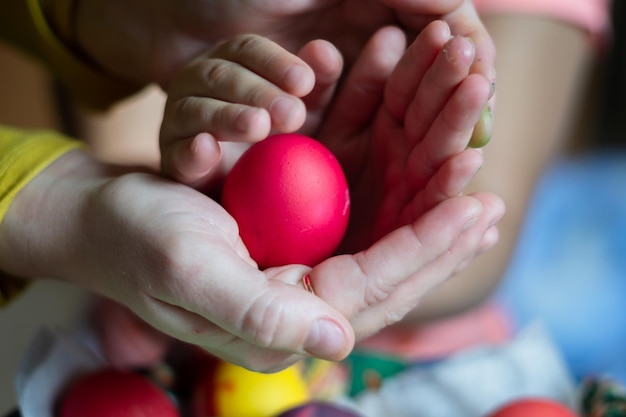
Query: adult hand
[174,257]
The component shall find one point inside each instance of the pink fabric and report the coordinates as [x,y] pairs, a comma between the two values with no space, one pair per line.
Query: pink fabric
[488,324]
[593,15]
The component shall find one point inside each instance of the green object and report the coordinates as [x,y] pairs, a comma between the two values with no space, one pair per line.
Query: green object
[369,369]
[603,397]
[483,129]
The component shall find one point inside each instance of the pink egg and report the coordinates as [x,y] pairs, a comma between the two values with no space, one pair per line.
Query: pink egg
[290,199]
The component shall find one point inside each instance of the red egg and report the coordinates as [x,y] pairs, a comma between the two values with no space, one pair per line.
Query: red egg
[110,392]
[535,407]
[290,199]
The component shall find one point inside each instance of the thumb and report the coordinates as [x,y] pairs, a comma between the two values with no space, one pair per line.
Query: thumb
[246,313]
[326,333]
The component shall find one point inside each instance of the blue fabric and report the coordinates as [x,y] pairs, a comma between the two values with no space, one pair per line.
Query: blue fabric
[569,270]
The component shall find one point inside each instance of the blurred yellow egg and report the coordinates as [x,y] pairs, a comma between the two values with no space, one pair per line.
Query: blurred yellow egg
[233,391]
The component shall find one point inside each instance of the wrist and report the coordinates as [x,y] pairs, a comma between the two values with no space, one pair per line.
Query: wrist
[40,235]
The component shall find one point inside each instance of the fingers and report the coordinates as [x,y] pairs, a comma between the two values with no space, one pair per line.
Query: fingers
[327,63]
[408,74]
[361,92]
[454,122]
[451,180]
[464,20]
[356,282]
[247,71]
[238,91]
[407,296]
[240,315]
[379,286]
[449,69]
[191,161]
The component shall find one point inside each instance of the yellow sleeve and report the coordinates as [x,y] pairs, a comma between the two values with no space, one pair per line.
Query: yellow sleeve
[23,155]
[26,24]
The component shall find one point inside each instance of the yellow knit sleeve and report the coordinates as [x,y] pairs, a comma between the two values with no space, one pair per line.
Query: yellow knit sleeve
[25,23]
[23,155]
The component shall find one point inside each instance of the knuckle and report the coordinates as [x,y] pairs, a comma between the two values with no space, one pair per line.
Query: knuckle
[245,43]
[216,72]
[263,319]
[377,289]
[377,292]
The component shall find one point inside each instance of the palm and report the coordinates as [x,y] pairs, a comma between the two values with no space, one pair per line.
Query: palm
[402,140]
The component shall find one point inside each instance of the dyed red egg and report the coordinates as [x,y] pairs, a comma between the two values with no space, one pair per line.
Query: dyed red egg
[536,407]
[118,393]
[290,199]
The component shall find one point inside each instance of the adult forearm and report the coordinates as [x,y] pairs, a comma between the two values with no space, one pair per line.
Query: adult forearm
[44,229]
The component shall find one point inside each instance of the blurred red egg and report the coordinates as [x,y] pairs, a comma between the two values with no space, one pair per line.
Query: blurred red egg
[110,392]
[535,407]
[290,199]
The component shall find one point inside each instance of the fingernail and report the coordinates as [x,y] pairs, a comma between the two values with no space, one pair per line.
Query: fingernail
[294,78]
[325,339]
[459,49]
[282,108]
[246,118]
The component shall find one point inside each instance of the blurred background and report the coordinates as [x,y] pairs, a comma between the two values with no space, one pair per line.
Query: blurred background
[568,269]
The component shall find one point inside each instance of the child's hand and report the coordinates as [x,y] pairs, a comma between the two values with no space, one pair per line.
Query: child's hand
[400,126]
[241,91]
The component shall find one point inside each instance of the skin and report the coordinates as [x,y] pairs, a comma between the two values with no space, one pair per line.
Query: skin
[435,58]
[184,270]
[153,40]
[151,43]
[535,107]
[539,108]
